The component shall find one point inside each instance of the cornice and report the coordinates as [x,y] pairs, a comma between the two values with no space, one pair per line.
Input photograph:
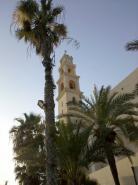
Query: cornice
[66,90]
[66,74]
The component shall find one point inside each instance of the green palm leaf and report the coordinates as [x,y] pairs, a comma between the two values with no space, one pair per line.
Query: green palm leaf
[113,114]
[133,45]
[29,150]
[73,151]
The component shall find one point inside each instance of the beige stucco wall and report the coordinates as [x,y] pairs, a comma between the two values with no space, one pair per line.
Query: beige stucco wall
[128,84]
[104,177]
[67,97]
[126,177]
[62,106]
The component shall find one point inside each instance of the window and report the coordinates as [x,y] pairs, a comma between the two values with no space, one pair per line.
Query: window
[69,70]
[62,71]
[71,84]
[62,86]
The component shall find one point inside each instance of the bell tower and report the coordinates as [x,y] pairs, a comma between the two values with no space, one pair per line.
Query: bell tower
[68,86]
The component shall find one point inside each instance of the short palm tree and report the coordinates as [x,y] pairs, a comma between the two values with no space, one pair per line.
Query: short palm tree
[37,24]
[75,154]
[113,114]
[29,150]
[133,45]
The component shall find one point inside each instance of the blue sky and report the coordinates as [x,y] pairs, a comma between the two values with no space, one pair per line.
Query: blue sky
[102,27]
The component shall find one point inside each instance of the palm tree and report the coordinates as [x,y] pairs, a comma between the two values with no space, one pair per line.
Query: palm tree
[75,154]
[133,45]
[37,24]
[29,150]
[113,115]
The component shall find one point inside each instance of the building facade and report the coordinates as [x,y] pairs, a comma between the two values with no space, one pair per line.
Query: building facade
[68,86]
[69,90]
[124,166]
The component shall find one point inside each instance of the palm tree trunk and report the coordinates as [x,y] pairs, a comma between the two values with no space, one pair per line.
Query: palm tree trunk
[49,123]
[112,163]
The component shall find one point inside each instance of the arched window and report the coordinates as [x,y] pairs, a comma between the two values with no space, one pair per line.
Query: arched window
[62,86]
[62,71]
[71,84]
[69,70]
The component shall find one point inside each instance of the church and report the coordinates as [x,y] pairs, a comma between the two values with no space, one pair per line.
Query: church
[69,90]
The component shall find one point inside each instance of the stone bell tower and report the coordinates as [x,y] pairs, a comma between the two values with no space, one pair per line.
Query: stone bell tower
[68,86]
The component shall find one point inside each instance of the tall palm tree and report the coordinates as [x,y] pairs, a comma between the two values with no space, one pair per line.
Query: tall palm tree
[29,150]
[133,45]
[37,24]
[113,115]
[75,153]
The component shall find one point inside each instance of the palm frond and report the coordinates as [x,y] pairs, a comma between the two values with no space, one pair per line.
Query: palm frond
[36,23]
[74,152]
[25,11]
[60,30]
[122,98]
[120,150]
[28,147]
[57,11]
[133,45]
[136,90]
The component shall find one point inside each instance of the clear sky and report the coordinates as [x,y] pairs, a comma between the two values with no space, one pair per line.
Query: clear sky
[101,26]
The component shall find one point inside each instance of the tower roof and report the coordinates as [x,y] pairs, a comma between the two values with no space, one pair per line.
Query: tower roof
[66,59]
